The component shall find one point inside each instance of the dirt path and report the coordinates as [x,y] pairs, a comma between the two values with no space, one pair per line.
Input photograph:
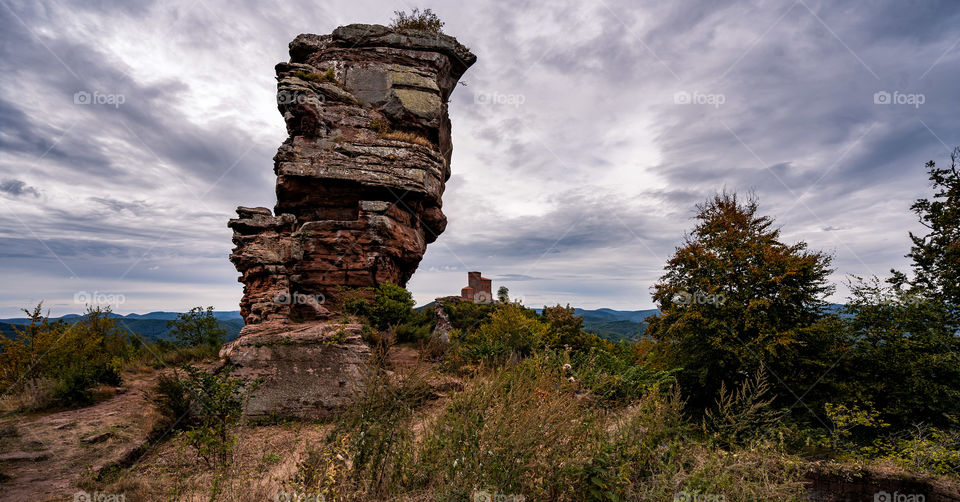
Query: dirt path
[45,455]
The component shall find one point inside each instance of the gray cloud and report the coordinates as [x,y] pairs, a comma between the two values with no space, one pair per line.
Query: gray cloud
[17,188]
[578,194]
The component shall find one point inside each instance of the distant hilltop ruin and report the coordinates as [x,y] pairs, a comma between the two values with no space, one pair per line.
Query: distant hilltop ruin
[479,289]
[359,186]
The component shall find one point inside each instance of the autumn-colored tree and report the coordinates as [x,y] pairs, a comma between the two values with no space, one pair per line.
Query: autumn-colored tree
[734,298]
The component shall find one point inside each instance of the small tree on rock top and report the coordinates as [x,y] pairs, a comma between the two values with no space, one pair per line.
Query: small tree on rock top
[424,20]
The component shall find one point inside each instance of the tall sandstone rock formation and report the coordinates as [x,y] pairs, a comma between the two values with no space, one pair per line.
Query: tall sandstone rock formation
[359,186]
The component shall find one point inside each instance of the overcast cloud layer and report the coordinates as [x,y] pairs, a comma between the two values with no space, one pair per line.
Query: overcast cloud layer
[584,136]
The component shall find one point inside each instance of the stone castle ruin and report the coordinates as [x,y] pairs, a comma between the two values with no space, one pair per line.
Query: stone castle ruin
[359,186]
[479,289]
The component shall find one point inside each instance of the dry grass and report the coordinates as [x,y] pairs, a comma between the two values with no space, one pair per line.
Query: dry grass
[32,395]
[526,430]
[265,458]
[408,137]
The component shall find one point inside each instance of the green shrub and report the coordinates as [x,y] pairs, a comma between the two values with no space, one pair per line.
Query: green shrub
[392,305]
[327,76]
[418,327]
[172,399]
[75,384]
[74,357]
[848,423]
[219,401]
[928,450]
[567,328]
[510,330]
[468,316]
[208,406]
[741,415]
[614,379]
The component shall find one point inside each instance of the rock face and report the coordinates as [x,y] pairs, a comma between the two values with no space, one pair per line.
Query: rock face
[309,370]
[360,177]
[359,186]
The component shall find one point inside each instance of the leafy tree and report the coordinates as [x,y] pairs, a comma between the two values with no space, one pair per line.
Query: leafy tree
[567,329]
[903,356]
[936,255]
[392,305]
[503,295]
[734,298]
[902,337]
[197,328]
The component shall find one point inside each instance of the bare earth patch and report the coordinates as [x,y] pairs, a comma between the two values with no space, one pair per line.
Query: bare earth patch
[46,455]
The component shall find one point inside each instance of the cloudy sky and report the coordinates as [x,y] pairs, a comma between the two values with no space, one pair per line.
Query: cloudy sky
[584,136]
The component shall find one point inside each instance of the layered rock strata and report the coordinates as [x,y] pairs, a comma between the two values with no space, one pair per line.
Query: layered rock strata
[359,185]
[361,175]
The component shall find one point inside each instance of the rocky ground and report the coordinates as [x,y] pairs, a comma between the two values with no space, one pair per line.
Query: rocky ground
[107,449]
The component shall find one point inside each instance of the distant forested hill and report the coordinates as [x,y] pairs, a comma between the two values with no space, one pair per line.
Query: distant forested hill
[615,325]
[152,326]
[629,325]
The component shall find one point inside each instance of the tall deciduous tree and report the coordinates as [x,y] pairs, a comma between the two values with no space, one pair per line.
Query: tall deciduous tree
[734,298]
[936,255]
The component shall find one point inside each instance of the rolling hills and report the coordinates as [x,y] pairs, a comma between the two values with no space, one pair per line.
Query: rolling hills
[151,326]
